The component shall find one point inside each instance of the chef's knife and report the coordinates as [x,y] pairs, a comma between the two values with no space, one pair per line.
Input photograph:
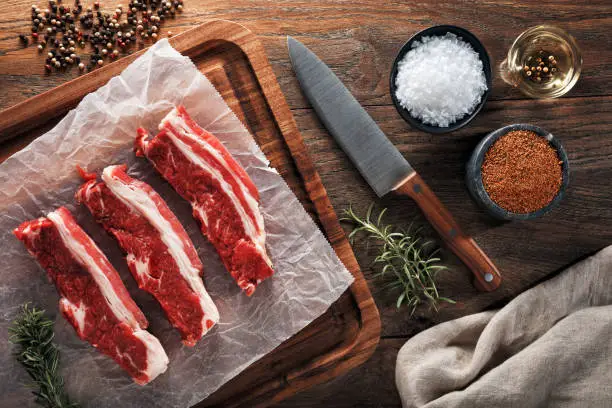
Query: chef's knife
[378,161]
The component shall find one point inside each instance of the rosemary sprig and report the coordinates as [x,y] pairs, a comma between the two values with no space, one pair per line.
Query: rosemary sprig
[32,332]
[407,261]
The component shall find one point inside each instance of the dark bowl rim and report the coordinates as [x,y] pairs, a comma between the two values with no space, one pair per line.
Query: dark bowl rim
[484,57]
[474,172]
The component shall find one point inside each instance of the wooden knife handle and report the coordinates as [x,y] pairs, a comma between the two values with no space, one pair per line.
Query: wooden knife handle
[488,277]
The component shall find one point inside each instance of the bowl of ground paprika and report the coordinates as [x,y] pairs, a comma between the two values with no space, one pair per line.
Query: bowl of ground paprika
[518,172]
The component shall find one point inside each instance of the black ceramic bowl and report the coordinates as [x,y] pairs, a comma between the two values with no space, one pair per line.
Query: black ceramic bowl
[474,175]
[441,31]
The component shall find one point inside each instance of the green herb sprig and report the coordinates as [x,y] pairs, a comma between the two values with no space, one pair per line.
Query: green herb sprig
[407,260]
[32,332]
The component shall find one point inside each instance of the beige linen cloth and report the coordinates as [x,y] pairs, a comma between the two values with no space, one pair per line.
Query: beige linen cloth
[550,347]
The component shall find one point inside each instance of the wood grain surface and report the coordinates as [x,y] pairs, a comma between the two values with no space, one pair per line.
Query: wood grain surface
[235,62]
[359,40]
[486,274]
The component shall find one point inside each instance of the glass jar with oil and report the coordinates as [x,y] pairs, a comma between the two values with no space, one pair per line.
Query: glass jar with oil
[543,62]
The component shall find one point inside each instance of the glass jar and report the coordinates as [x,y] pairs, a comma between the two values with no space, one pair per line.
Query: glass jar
[543,62]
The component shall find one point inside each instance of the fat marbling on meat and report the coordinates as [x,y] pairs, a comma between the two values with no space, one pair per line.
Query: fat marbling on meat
[160,254]
[92,296]
[223,197]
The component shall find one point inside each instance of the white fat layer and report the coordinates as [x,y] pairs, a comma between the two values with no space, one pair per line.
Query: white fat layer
[126,356]
[157,359]
[142,202]
[92,263]
[141,266]
[78,311]
[202,214]
[33,232]
[88,193]
[253,229]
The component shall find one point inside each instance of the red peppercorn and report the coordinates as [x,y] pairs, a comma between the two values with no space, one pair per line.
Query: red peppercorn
[34,35]
[47,67]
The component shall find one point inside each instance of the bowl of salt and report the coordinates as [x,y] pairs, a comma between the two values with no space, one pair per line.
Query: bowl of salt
[441,79]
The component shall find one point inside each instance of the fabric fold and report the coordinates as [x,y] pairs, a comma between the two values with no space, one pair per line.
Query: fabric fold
[549,347]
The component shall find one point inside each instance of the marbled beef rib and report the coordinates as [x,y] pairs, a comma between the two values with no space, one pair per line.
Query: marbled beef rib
[223,197]
[93,297]
[160,254]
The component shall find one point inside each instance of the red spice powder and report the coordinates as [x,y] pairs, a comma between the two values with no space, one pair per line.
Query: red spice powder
[521,172]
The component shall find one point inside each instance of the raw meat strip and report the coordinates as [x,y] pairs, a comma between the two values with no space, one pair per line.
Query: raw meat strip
[93,297]
[160,254]
[224,199]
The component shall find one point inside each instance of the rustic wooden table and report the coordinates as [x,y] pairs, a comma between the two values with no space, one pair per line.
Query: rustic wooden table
[359,40]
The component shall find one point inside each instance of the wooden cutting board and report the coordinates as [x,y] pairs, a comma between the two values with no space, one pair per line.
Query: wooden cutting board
[235,62]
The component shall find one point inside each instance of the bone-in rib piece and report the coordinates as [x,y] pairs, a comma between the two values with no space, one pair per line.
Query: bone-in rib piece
[223,197]
[93,297]
[160,254]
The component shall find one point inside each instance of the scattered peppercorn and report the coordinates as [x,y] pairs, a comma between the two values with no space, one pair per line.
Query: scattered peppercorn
[142,22]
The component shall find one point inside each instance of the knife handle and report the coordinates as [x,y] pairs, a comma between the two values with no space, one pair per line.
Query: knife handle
[488,277]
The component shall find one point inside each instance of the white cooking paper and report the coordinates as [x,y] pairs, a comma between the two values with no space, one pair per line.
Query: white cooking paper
[100,131]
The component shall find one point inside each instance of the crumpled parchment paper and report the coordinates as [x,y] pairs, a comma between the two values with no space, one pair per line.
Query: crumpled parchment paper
[100,131]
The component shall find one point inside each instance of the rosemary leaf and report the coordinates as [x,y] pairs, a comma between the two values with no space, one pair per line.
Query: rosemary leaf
[32,333]
[406,259]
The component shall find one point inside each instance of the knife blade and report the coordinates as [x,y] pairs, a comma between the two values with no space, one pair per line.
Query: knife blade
[378,160]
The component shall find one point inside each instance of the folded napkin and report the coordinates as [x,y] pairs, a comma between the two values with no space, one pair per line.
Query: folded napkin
[550,347]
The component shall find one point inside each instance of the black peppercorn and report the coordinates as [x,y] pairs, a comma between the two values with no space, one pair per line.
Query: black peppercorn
[542,70]
[122,35]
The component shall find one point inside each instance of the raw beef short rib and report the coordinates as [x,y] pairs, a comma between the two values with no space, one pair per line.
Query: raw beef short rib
[93,297]
[160,254]
[223,197]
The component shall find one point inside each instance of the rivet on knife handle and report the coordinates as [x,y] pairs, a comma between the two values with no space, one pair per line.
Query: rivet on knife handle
[488,277]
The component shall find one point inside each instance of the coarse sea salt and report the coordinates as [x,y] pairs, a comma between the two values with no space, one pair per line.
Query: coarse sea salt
[440,80]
